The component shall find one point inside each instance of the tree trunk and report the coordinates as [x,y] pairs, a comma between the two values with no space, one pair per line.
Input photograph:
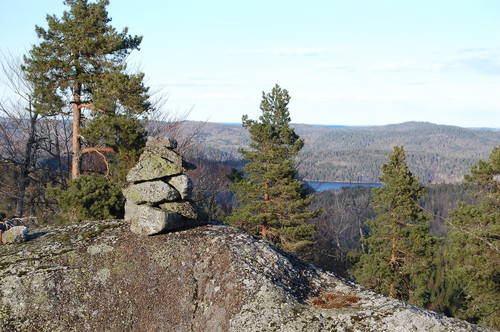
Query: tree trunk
[263,232]
[58,154]
[27,161]
[392,290]
[362,236]
[392,264]
[267,199]
[76,144]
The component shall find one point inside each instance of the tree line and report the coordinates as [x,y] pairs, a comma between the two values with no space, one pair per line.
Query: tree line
[436,154]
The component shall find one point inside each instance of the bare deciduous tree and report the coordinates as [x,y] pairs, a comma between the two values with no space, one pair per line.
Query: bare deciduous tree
[342,225]
[29,142]
[18,132]
[163,122]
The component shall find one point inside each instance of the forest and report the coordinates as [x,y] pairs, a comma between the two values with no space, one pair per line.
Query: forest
[436,153]
[77,118]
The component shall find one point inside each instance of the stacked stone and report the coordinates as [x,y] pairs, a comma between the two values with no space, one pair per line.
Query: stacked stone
[158,192]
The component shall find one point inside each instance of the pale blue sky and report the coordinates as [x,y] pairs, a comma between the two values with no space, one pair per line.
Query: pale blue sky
[351,62]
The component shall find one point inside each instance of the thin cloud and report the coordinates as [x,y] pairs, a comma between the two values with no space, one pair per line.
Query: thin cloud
[220,96]
[474,49]
[413,66]
[334,66]
[480,59]
[188,84]
[376,97]
[197,80]
[415,82]
[286,51]
[483,65]
[205,78]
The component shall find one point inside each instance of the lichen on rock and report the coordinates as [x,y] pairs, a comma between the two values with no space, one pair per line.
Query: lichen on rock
[185,209]
[97,276]
[152,192]
[151,167]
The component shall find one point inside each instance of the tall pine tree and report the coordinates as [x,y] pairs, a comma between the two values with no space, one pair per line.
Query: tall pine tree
[473,248]
[273,202]
[399,258]
[81,59]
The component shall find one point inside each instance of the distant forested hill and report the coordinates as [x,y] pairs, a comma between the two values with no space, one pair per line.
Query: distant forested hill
[436,153]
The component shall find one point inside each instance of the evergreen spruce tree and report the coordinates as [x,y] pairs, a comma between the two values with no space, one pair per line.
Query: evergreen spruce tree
[81,58]
[473,248]
[399,258]
[273,202]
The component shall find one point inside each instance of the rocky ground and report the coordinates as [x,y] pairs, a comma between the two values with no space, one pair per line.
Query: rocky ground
[98,276]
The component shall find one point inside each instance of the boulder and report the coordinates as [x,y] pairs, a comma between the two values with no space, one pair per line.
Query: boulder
[150,192]
[16,234]
[152,167]
[148,220]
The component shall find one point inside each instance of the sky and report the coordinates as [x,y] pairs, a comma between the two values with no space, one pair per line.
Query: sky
[349,62]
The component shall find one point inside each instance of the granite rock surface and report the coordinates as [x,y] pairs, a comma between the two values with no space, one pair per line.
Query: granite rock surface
[98,276]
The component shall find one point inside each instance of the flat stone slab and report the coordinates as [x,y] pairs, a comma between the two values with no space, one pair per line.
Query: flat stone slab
[150,192]
[152,167]
[185,209]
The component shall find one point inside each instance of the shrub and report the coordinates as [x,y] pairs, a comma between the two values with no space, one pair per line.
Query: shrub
[90,197]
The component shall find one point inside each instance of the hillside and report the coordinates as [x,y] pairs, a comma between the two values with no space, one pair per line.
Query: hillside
[436,153]
[98,276]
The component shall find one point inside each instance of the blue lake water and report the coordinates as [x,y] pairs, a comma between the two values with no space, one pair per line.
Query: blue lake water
[320,186]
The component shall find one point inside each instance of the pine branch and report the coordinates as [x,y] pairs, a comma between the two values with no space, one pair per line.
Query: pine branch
[482,239]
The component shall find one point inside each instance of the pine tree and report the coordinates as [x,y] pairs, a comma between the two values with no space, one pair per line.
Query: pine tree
[399,258]
[473,248]
[273,202]
[81,58]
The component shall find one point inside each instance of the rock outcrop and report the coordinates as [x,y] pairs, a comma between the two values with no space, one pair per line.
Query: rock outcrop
[158,194]
[98,276]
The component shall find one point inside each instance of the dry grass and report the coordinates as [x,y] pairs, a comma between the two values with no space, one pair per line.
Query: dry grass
[333,301]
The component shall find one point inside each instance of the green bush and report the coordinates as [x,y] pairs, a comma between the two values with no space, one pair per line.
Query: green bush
[90,197]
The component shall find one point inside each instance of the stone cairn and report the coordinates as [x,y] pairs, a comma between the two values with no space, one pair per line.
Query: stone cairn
[158,192]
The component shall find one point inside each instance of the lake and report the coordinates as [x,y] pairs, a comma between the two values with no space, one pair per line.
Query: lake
[321,186]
